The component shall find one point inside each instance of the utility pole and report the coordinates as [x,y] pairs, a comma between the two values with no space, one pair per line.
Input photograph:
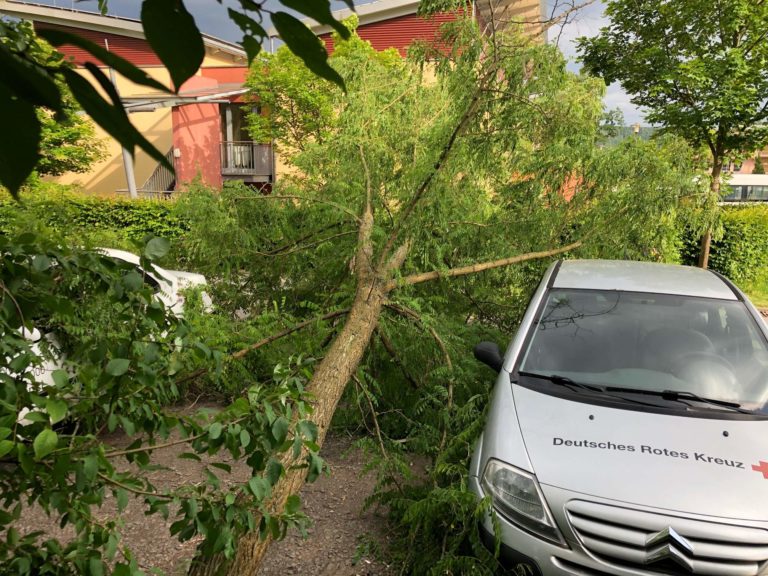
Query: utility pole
[130,176]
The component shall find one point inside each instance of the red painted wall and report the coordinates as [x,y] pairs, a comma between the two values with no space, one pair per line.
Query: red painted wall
[226,74]
[398,32]
[197,135]
[134,50]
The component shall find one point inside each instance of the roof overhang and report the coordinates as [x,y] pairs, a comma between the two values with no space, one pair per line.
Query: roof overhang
[367,13]
[748,180]
[98,22]
[499,13]
[151,102]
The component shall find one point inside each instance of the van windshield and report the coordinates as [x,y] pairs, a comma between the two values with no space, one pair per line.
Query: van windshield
[654,342]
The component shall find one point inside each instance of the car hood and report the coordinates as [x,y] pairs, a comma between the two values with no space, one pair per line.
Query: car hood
[714,467]
[187,279]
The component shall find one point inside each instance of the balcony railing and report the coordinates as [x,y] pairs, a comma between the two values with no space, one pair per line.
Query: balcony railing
[246,159]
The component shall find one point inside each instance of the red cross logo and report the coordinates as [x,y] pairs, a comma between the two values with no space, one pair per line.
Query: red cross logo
[763,467]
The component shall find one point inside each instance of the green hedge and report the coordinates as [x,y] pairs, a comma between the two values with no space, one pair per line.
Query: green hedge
[741,253]
[70,214]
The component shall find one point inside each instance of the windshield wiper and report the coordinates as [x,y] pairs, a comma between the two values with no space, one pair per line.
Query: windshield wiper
[681,396]
[577,386]
[563,381]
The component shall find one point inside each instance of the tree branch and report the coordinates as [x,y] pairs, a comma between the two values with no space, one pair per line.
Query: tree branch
[263,342]
[298,248]
[464,270]
[131,489]
[424,186]
[302,198]
[387,343]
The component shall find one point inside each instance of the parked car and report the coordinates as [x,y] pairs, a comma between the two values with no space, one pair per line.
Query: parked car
[168,285]
[628,428]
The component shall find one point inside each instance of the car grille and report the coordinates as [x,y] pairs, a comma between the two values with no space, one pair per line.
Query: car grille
[663,544]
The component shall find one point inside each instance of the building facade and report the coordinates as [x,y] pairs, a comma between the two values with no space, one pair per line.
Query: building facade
[397,24]
[201,129]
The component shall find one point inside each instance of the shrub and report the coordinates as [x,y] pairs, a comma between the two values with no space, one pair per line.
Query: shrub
[70,215]
[741,253]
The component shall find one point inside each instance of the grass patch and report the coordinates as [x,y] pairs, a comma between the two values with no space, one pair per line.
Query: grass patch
[757,289]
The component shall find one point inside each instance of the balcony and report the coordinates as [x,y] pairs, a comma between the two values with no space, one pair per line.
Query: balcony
[247,161]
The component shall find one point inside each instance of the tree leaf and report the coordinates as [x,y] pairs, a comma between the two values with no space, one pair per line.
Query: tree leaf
[28,81]
[292,504]
[215,430]
[45,443]
[156,248]
[319,10]
[251,29]
[308,430]
[5,447]
[274,472]
[259,486]
[303,42]
[280,430]
[131,72]
[60,378]
[19,152]
[122,499]
[117,105]
[90,466]
[245,439]
[117,366]
[57,409]
[171,31]
[112,118]
[222,466]
[252,48]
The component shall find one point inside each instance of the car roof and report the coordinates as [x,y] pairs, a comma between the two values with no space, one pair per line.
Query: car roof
[161,274]
[641,277]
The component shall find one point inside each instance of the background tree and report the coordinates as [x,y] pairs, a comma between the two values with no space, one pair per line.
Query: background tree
[759,166]
[68,140]
[297,105]
[699,68]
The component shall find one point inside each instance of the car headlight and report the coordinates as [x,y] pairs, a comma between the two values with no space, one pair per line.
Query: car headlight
[517,496]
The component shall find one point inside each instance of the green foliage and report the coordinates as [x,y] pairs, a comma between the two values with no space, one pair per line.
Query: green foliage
[298,106]
[757,289]
[759,166]
[67,214]
[67,139]
[699,68]
[121,355]
[741,252]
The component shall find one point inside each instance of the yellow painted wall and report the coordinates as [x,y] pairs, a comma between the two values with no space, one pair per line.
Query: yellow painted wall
[108,176]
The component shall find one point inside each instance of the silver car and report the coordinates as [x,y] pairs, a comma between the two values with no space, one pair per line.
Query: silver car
[628,428]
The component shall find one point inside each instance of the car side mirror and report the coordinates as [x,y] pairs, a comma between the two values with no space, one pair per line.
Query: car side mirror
[488,353]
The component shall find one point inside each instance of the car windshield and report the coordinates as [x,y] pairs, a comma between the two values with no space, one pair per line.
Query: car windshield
[651,342]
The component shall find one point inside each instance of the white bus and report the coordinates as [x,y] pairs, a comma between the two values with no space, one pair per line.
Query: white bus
[747,188]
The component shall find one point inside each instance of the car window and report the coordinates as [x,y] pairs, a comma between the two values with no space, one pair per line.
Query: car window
[704,346]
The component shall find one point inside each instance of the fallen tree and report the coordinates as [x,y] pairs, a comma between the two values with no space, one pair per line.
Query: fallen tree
[497,155]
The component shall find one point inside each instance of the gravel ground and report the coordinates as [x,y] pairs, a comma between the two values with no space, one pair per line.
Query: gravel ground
[334,503]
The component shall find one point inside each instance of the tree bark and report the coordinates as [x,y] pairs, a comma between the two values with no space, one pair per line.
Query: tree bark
[714,189]
[327,385]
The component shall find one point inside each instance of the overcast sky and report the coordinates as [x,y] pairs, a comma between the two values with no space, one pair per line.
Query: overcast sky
[212,18]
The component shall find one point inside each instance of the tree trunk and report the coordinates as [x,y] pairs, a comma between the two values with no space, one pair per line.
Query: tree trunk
[327,385]
[714,189]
